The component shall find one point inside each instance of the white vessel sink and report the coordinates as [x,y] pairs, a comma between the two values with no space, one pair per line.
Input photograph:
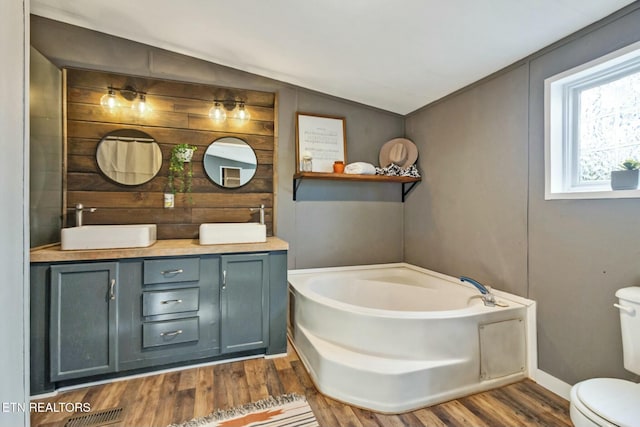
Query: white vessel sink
[221,233]
[108,236]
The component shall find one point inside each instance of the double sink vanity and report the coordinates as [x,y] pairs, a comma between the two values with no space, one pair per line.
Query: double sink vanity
[121,302]
[115,300]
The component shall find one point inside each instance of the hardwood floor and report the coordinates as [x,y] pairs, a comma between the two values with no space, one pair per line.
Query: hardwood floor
[175,397]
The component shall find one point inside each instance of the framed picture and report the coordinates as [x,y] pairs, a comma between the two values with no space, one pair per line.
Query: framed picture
[322,139]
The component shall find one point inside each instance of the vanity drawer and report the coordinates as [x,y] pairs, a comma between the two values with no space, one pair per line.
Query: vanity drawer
[167,302]
[171,270]
[156,334]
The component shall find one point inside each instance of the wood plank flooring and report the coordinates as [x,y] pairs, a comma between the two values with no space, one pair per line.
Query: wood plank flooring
[175,397]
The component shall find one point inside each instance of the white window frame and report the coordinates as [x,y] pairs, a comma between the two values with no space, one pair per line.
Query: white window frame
[560,92]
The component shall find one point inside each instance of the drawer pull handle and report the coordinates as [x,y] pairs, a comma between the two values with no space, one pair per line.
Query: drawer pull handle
[112,291]
[224,279]
[171,301]
[171,334]
[172,272]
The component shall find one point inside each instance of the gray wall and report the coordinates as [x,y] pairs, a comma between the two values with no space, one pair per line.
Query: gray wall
[45,148]
[580,251]
[468,217]
[482,211]
[309,225]
[14,296]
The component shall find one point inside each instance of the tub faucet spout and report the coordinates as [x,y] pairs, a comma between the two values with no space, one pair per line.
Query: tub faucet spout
[487,297]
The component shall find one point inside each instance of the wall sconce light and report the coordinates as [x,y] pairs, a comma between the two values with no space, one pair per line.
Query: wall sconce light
[140,103]
[242,113]
[109,100]
[137,98]
[218,112]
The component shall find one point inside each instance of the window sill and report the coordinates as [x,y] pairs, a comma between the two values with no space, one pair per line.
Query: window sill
[602,194]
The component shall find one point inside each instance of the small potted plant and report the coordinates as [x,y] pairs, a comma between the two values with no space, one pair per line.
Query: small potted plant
[183,152]
[180,168]
[627,177]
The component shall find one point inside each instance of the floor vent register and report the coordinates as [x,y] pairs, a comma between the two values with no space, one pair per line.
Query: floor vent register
[99,418]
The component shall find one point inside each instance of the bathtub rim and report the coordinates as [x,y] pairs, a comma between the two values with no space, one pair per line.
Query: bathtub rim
[302,289]
[529,305]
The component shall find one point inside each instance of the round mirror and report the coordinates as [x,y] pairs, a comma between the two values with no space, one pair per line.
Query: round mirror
[129,156]
[230,162]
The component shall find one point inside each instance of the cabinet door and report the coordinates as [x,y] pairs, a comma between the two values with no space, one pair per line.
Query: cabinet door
[244,299]
[83,329]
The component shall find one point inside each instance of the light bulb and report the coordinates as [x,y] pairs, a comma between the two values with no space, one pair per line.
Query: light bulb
[217,113]
[243,113]
[140,104]
[109,100]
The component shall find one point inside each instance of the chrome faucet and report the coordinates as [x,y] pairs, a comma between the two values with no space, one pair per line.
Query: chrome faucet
[488,298]
[261,208]
[79,209]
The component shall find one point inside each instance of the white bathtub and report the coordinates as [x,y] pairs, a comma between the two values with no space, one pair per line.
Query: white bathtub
[393,338]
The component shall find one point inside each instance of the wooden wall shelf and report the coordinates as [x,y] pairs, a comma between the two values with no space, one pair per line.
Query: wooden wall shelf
[407,182]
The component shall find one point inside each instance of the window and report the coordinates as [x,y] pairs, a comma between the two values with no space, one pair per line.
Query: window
[230,176]
[592,124]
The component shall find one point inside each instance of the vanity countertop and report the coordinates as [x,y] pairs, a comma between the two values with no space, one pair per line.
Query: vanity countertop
[169,247]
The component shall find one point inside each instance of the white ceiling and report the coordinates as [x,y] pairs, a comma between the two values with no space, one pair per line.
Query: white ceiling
[397,55]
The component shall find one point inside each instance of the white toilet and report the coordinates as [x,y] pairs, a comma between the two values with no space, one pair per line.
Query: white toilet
[609,401]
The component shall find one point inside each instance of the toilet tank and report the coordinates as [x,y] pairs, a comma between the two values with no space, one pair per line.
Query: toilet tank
[629,307]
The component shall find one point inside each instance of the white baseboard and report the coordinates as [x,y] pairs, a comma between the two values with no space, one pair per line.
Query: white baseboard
[276,355]
[553,384]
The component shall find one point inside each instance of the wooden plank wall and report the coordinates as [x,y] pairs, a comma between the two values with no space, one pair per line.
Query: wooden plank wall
[179,115]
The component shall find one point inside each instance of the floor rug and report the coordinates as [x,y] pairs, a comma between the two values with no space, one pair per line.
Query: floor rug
[288,410]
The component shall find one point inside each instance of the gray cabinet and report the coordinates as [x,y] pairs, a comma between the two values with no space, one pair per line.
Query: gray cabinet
[244,302]
[103,318]
[83,320]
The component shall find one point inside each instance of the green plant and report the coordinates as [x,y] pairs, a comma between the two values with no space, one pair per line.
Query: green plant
[630,164]
[180,169]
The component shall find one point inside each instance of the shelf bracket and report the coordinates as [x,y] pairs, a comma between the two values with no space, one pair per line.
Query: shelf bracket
[405,190]
[296,184]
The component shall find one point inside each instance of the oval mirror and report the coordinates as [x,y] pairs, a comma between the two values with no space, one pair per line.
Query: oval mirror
[129,156]
[230,162]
